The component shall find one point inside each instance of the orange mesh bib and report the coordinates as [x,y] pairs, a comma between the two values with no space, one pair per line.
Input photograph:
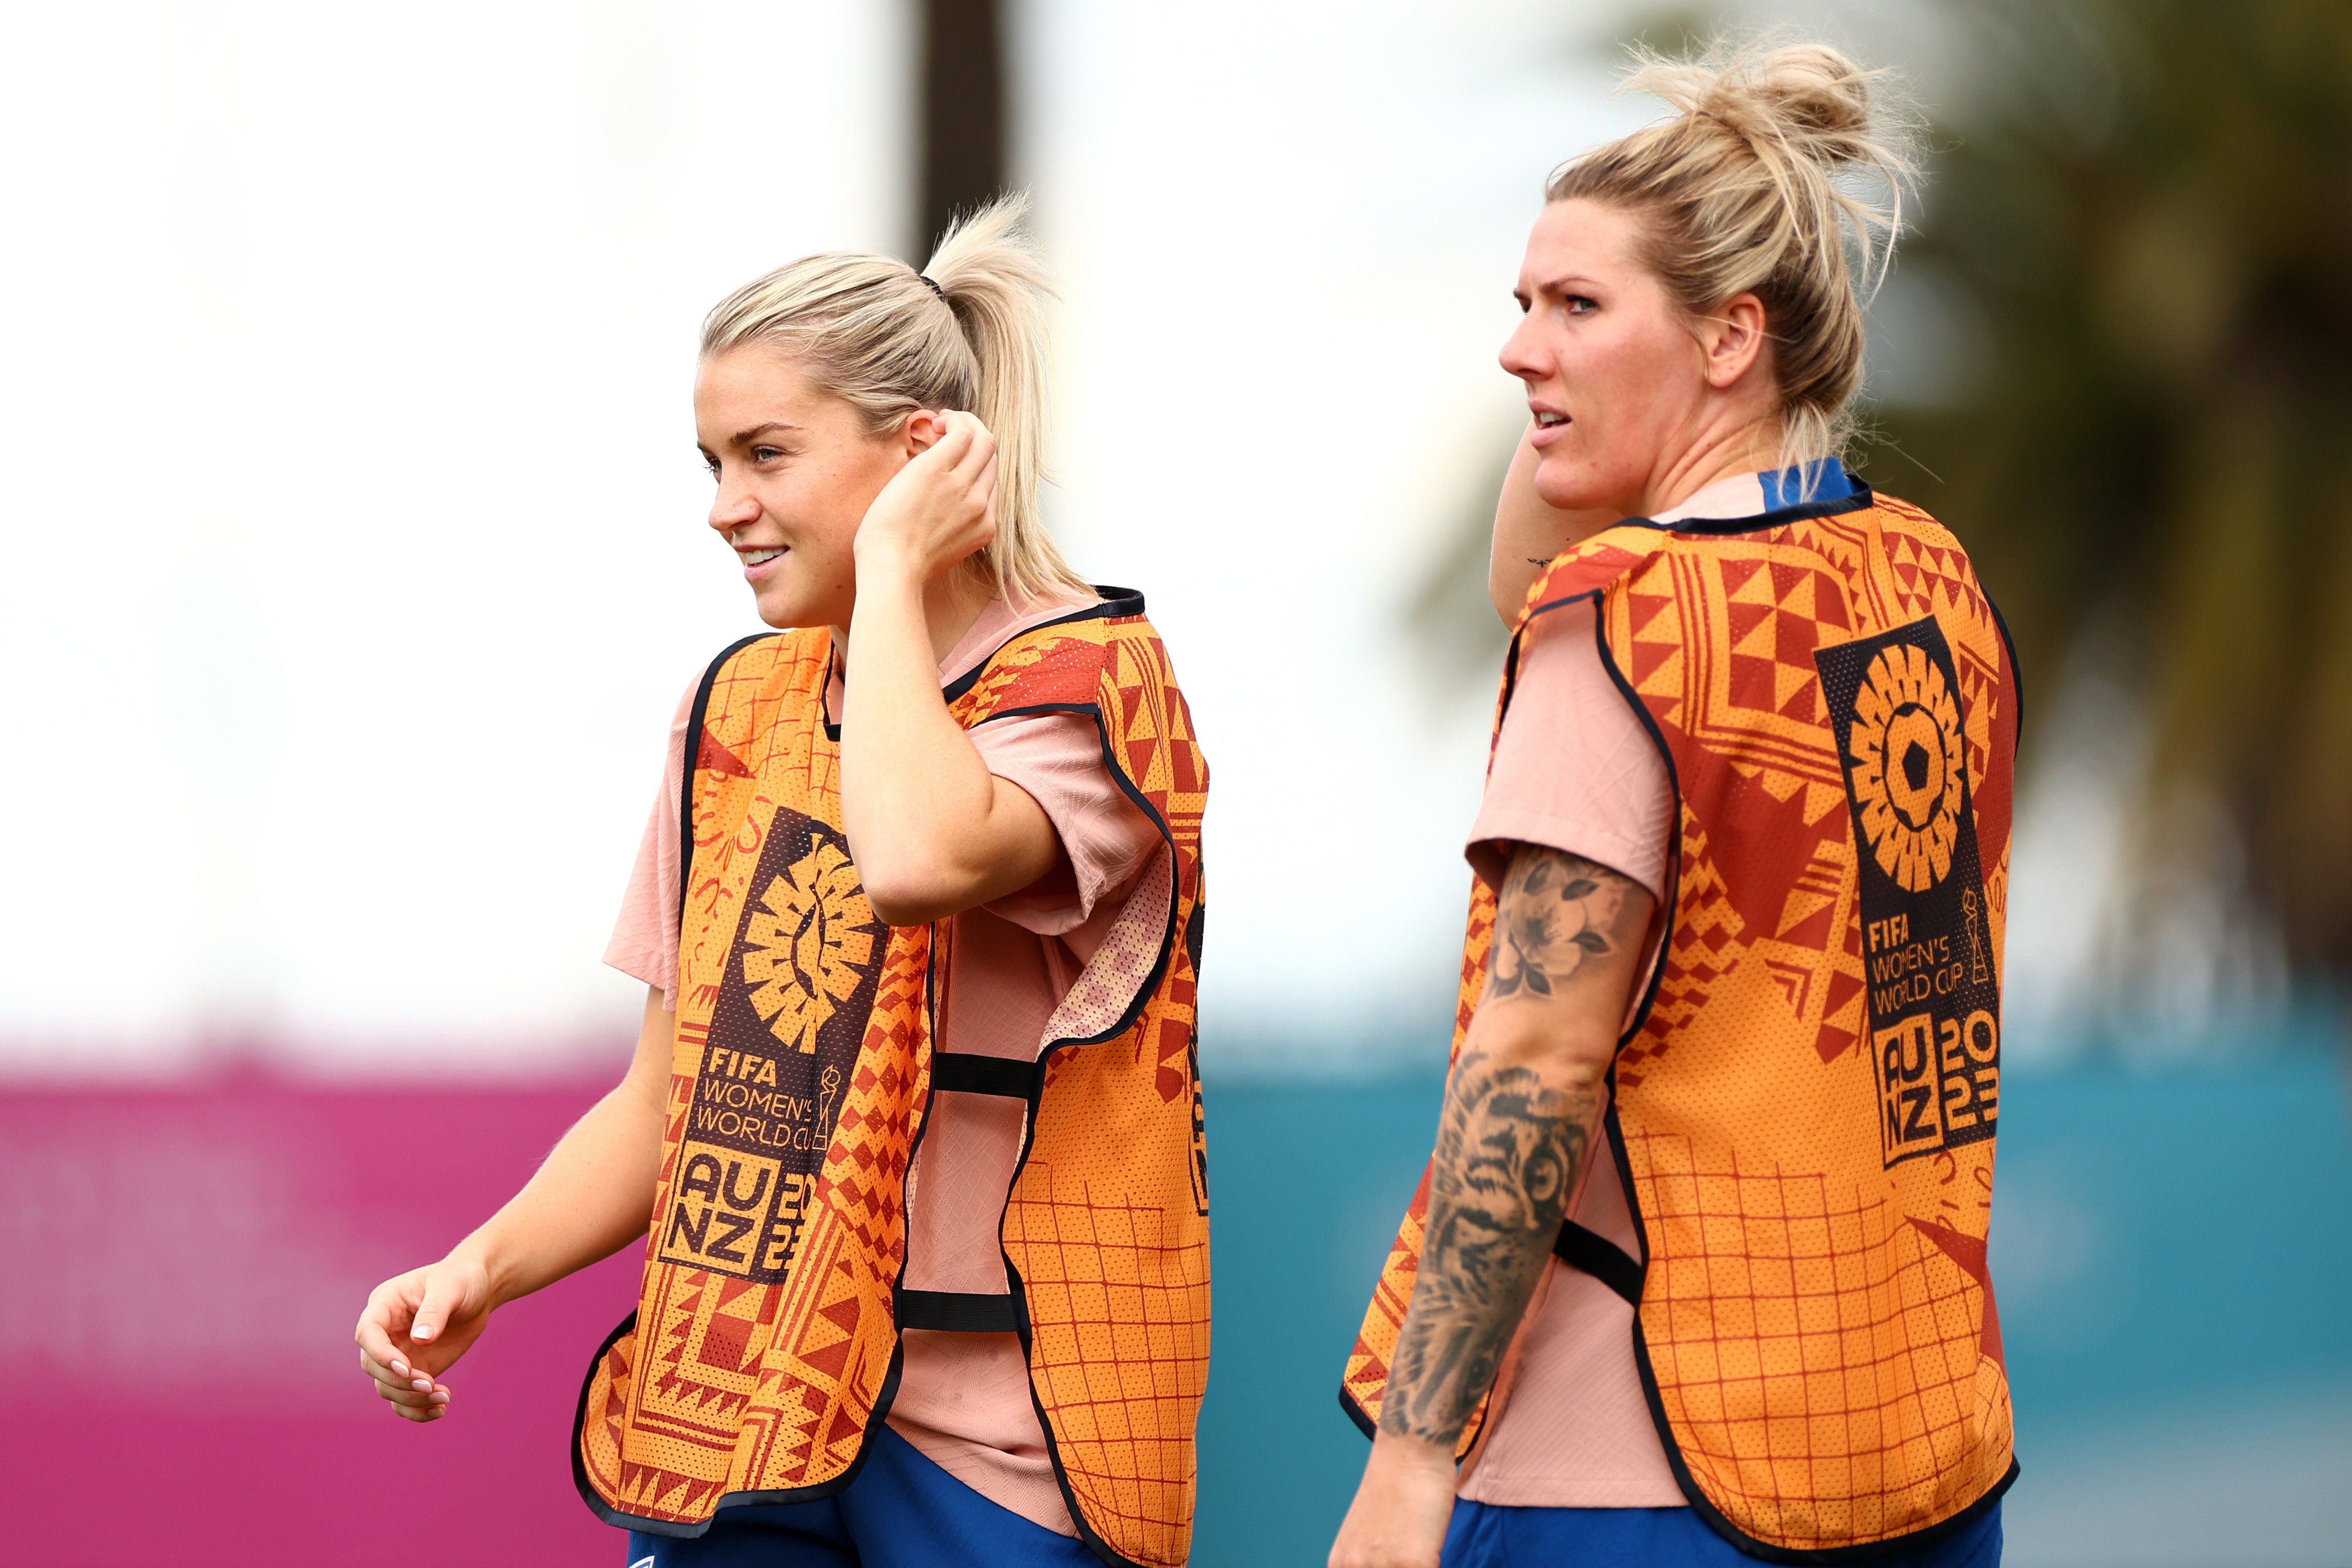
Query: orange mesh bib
[764,1351]
[1805,1113]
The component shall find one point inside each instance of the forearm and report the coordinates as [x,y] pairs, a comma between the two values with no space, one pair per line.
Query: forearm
[592,1195]
[1517,1127]
[1522,1110]
[932,830]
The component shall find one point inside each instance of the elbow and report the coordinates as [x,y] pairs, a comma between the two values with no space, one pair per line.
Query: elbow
[914,893]
[1569,1055]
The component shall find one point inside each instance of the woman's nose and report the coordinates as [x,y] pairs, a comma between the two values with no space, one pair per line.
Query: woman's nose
[732,506]
[1521,355]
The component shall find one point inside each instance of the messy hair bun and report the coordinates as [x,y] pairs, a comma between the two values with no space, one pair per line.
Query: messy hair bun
[1763,182]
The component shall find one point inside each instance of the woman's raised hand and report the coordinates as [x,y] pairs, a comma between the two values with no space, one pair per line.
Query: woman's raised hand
[414,1326]
[939,508]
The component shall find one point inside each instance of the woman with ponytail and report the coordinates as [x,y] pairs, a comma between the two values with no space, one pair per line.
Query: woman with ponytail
[1697,1274]
[914,1111]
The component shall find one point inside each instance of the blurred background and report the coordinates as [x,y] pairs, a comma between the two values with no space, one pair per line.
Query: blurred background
[343,371]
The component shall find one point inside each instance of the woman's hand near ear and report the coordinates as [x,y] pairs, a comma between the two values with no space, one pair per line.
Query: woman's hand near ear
[938,510]
[933,832]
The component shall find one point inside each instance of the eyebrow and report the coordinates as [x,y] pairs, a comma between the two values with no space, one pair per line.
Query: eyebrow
[1564,283]
[744,437]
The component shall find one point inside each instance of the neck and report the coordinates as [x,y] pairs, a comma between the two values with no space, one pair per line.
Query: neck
[1744,449]
[951,601]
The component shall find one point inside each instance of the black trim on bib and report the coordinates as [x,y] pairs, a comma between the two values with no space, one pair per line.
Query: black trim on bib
[1861,499]
[2016,674]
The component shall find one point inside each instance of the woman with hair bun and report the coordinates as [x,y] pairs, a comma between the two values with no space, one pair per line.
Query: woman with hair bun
[918,916]
[1697,1272]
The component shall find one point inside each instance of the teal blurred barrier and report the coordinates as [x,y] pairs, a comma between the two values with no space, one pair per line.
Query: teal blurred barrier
[2172,1251]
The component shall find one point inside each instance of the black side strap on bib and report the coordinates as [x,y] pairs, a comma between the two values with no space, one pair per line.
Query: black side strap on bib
[1598,1256]
[960,1311]
[961,1072]
[966,1311]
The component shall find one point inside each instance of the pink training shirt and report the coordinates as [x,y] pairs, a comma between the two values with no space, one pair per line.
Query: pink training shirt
[1575,769]
[963,1398]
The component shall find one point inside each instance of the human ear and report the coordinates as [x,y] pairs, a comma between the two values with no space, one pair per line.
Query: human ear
[1733,337]
[924,427]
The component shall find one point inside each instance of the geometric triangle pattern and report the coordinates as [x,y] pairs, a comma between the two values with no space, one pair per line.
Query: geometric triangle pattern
[1816,1323]
[730,1389]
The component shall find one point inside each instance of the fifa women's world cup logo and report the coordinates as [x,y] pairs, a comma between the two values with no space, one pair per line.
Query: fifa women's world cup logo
[784,1034]
[1935,1003]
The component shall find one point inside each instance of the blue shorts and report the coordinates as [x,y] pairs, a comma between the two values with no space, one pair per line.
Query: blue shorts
[1484,1535]
[902,1511]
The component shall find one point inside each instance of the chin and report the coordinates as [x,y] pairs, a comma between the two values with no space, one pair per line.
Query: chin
[1565,484]
[785,612]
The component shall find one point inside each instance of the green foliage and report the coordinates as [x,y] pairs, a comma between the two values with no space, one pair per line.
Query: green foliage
[2146,208]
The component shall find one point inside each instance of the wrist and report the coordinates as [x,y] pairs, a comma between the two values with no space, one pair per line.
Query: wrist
[1404,1457]
[884,563]
[480,1254]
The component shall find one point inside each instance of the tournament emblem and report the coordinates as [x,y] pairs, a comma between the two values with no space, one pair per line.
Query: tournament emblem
[808,944]
[1906,767]
[1935,1001]
[785,1035]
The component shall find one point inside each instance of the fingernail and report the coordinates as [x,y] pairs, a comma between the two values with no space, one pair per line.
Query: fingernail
[400,1369]
[420,1334]
[422,1384]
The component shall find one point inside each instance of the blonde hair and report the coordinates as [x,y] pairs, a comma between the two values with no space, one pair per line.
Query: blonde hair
[1748,190]
[870,331]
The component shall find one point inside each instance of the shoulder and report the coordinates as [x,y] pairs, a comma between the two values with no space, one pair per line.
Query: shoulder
[1593,565]
[1065,660]
[1899,516]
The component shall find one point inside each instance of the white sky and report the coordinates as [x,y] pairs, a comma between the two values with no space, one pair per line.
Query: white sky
[355,554]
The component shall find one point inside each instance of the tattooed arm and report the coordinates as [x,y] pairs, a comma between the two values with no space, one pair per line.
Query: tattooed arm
[1522,1109]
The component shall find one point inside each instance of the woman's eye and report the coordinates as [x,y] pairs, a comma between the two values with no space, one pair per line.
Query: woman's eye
[765,453]
[1581,304]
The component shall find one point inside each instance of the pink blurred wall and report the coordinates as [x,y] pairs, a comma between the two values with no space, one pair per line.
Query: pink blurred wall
[179,1274]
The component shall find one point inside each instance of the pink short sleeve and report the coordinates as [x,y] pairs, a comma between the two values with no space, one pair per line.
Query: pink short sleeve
[1574,769]
[645,939]
[1105,837]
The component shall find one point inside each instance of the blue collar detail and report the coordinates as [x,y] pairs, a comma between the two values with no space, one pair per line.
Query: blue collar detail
[1806,484]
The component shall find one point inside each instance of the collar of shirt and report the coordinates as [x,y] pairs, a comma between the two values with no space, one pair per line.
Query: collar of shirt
[1753,495]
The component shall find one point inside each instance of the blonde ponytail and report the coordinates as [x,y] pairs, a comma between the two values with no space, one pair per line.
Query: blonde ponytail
[1749,190]
[968,333]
